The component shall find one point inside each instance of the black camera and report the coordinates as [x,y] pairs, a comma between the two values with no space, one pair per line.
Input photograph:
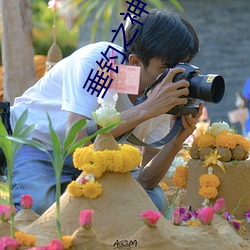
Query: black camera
[209,88]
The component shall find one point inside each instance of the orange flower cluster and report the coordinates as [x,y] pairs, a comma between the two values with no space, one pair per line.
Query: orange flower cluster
[208,186]
[180,177]
[224,139]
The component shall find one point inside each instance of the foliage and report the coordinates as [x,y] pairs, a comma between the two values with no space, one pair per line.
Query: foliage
[101,11]
[42,19]
[9,149]
[60,152]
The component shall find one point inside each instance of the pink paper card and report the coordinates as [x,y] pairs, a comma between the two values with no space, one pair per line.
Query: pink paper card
[126,80]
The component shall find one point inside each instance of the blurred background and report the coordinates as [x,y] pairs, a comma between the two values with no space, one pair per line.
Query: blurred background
[27,35]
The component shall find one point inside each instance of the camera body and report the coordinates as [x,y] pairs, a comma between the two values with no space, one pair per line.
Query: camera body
[209,88]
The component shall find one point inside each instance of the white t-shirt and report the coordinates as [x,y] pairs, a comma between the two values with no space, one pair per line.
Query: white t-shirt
[61,90]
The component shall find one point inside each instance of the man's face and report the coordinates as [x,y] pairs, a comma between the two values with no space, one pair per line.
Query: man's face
[149,75]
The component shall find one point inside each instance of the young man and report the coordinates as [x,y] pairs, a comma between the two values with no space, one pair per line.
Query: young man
[162,40]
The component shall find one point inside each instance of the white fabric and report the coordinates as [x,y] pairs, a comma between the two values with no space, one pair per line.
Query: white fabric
[61,90]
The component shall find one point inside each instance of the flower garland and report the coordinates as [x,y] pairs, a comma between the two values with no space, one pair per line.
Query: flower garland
[180,177]
[208,186]
[95,163]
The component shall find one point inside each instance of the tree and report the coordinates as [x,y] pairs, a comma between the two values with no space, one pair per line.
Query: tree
[17,47]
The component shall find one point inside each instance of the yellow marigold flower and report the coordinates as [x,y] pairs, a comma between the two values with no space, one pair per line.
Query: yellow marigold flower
[93,169]
[193,223]
[92,189]
[83,156]
[164,186]
[67,242]
[226,140]
[180,177]
[131,157]
[208,192]
[209,180]
[75,189]
[206,141]
[27,240]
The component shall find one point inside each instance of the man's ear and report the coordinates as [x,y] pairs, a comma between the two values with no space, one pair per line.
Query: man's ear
[134,60]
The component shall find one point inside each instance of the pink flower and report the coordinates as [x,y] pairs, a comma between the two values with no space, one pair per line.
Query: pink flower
[55,245]
[206,215]
[54,4]
[219,206]
[150,217]
[26,201]
[5,212]
[86,218]
[84,180]
[8,243]
[176,217]
[236,224]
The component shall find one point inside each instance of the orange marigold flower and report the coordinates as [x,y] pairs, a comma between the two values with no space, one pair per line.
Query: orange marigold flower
[209,180]
[67,242]
[206,141]
[225,139]
[180,177]
[208,192]
[242,141]
[24,239]
[164,186]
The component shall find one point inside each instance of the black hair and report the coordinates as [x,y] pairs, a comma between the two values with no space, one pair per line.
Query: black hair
[163,35]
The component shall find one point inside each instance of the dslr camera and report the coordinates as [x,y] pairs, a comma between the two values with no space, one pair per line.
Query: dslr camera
[209,88]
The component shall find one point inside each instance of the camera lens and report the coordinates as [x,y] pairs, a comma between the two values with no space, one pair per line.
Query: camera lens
[209,88]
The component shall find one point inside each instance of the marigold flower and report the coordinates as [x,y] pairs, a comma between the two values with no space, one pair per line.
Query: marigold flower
[150,217]
[8,243]
[180,177]
[26,201]
[67,242]
[98,162]
[206,215]
[209,180]
[226,140]
[206,141]
[75,189]
[86,218]
[164,186]
[193,223]
[24,239]
[92,189]
[219,206]
[93,169]
[208,192]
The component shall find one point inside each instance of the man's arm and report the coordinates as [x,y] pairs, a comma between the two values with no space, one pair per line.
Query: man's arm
[152,172]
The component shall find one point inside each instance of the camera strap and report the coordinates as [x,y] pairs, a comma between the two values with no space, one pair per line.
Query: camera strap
[131,138]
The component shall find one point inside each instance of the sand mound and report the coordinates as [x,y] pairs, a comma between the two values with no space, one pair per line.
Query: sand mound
[117,223]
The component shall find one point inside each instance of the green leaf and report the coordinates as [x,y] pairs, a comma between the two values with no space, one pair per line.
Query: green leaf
[172,207]
[56,147]
[24,134]
[5,144]
[71,136]
[35,144]
[20,123]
